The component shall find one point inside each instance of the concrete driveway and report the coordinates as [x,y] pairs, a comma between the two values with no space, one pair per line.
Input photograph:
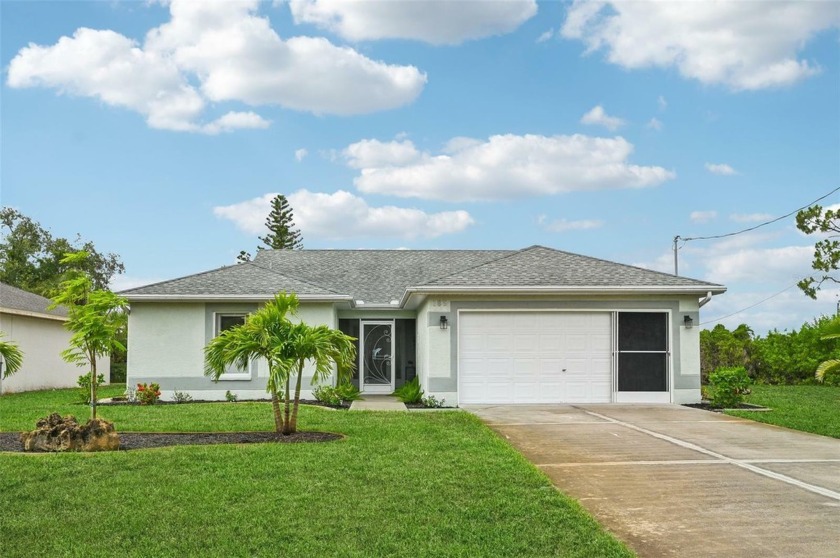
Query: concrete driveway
[675,481]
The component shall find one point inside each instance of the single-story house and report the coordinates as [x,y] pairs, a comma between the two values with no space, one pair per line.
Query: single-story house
[40,333]
[536,325]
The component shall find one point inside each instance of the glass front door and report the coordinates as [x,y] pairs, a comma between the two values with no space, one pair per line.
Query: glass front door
[376,356]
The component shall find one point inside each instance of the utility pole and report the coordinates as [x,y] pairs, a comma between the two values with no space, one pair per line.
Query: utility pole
[676,259]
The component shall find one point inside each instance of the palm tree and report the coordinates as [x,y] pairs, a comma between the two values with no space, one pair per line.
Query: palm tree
[269,334]
[12,357]
[830,331]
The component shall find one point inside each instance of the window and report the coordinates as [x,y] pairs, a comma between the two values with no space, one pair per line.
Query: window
[225,322]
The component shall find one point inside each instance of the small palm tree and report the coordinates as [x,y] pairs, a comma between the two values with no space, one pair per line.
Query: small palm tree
[831,331]
[269,334]
[12,357]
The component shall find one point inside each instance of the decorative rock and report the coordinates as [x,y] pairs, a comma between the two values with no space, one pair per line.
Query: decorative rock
[55,433]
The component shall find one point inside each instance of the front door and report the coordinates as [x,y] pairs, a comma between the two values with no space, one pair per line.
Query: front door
[376,357]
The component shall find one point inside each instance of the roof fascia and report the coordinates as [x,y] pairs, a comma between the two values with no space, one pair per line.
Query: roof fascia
[30,314]
[698,290]
[230,298]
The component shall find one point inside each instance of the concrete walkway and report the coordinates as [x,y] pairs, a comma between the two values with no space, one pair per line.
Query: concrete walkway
[378,403]
[675,481]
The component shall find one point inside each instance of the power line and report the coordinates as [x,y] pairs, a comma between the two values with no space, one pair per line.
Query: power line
[749,307]
[685,240]
[762,224]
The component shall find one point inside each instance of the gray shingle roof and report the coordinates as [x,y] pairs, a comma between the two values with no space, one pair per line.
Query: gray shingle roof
[240,279]
[18,299]
[381,276]
[541,266]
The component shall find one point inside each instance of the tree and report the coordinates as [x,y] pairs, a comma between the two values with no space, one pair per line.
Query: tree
[31,258]
[269,334]
[831,367]
[826,260]
[95,316]
[280,223]
[12,357]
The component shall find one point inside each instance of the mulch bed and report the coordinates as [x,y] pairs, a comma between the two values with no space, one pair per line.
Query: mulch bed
[10,441]
[706,406]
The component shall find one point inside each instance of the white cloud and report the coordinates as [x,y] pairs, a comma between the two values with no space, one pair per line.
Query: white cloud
[744,45]
[236,121]
[375,153]
[502,167]
[599,117]
[663,104]
[545,35]
[563,225]
[750,217]
[758,264]
[343,215]
[438,23]
[721,168]
[300,154]
[655,124]
[702,216]
[211,52]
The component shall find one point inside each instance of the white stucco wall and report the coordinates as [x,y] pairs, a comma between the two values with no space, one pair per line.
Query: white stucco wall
[689,339]
[422,345]
[42,341]
[166,345]
[165,340]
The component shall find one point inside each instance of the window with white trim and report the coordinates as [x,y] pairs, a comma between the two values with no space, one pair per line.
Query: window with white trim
[225,322]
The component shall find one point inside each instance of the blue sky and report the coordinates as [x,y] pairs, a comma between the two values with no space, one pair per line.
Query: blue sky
[161,130]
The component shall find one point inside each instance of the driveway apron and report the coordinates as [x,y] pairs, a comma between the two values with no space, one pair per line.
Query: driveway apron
[675,481]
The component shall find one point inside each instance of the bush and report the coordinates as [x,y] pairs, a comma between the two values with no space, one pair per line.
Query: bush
[181,397]
[148,394]
[84,386]
[410,393]
[433,402]
[117,372]
[326,395]
[231,397]
[347,392]
[728,386]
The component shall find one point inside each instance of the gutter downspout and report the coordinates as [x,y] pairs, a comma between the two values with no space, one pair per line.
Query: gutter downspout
[705,299]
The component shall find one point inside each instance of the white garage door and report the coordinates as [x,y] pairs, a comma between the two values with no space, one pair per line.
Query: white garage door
[534,357]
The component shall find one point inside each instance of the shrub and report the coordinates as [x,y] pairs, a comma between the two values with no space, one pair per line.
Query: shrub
[326,395]
[433,402]
[84,386]
[181,397]
[231,397]
[410,393]
[728,386]
[148,394]
[347,392]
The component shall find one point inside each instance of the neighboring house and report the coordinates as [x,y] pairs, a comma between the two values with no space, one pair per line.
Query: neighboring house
[41,335]
[477,326]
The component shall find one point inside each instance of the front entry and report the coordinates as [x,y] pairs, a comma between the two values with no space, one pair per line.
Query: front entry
[376,357]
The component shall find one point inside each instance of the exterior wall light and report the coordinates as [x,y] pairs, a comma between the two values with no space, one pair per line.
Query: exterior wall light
[688,322]
[444,322]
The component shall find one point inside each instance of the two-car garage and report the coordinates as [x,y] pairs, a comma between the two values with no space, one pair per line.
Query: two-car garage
[562,357]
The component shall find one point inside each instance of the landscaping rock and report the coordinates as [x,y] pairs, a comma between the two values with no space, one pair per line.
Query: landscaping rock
[55,433]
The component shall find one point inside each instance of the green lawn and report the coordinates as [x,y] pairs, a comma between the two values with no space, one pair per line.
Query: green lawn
[400,484]
[813,408]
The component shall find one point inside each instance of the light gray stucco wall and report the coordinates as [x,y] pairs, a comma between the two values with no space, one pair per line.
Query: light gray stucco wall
[166,345]
[42,340]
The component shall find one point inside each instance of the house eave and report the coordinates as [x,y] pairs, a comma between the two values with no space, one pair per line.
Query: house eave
[30,314]
[698,290]
[230,298]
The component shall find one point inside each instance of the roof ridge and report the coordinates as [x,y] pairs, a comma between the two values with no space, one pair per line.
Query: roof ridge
[494,260]
[294,277]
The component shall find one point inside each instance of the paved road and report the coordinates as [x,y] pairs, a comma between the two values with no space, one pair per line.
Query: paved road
[675,481]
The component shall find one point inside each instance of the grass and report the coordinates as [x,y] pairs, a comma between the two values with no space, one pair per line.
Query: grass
[810,408]
[400,484]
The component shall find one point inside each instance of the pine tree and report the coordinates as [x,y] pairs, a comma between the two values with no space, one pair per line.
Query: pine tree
[280,222]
